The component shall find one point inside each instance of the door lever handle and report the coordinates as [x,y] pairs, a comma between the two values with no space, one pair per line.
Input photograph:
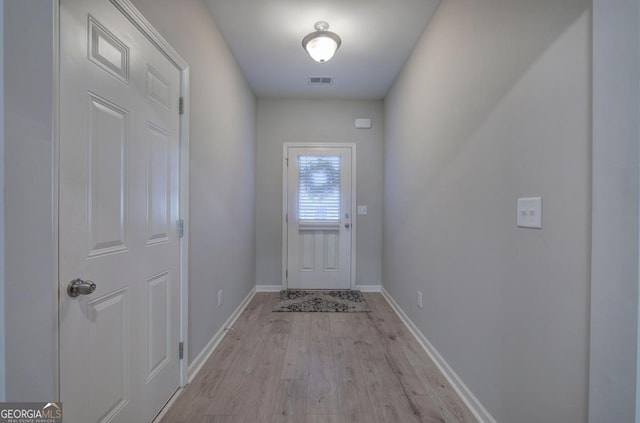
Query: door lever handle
[79,287]
[346,225]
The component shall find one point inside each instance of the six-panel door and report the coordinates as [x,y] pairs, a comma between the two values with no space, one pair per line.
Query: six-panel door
[119,170]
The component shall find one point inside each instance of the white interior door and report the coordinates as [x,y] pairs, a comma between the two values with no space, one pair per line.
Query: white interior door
[319,217]
[119,175]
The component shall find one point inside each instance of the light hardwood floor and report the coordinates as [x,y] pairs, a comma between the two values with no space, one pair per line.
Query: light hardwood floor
[318,368]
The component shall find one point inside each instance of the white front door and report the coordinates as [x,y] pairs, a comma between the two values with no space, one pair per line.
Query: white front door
[319,217]
[119,175]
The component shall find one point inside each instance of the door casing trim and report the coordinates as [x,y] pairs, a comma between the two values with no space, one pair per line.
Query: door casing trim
[354,225]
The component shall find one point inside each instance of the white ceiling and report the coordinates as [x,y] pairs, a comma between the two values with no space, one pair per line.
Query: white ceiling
[265,37]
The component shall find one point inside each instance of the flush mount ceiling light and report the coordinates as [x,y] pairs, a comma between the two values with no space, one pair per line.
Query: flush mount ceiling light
[321,44]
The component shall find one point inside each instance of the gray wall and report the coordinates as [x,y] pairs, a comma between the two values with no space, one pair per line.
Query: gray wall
[222,166]
[30,299]
[281,121]
[494,104]
[614,279]
[2,334]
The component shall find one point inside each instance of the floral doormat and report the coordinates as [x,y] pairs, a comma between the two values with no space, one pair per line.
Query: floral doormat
[321,301]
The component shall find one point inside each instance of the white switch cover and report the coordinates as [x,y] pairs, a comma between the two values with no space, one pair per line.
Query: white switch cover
[362,210]
[530,213]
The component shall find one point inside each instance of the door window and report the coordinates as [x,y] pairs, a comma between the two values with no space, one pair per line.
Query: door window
[319,188]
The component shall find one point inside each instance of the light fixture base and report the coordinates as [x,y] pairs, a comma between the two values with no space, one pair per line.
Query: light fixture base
[321,26]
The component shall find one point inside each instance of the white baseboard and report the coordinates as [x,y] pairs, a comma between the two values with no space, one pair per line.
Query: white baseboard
[461,389]
[269,288]
[369,288]
[198,362]
[278,288]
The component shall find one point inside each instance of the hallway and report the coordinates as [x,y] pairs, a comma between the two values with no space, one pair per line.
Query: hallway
[497,102]
[318,367]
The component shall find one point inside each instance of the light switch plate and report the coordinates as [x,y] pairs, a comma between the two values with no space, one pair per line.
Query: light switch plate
[362,210]
[530,213]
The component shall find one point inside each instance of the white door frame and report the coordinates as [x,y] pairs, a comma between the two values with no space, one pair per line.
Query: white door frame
[354,226]
[145,27]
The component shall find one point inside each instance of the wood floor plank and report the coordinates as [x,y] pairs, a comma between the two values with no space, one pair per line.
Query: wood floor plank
[367,339]
[238,380]
[322,395]
[282,323]
[341,326]
[389,401]
[296,360]
[429,411]
[262,394]
[318,368]
[332,418]
[226,353]
[291,400]
[301,326]
[192,404]
[354,405]
[441,392]
[406,373]
[319,327]
[221,419]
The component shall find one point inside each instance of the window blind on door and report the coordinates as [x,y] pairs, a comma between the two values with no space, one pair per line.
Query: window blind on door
[319,187]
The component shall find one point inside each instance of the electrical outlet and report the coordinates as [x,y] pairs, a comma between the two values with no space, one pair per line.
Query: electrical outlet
[420,299]
[219,298]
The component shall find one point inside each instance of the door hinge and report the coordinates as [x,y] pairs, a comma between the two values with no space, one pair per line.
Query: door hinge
[180,350]
[286,218]
[181,106]
[180,228]
[286,159]
[286,274]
